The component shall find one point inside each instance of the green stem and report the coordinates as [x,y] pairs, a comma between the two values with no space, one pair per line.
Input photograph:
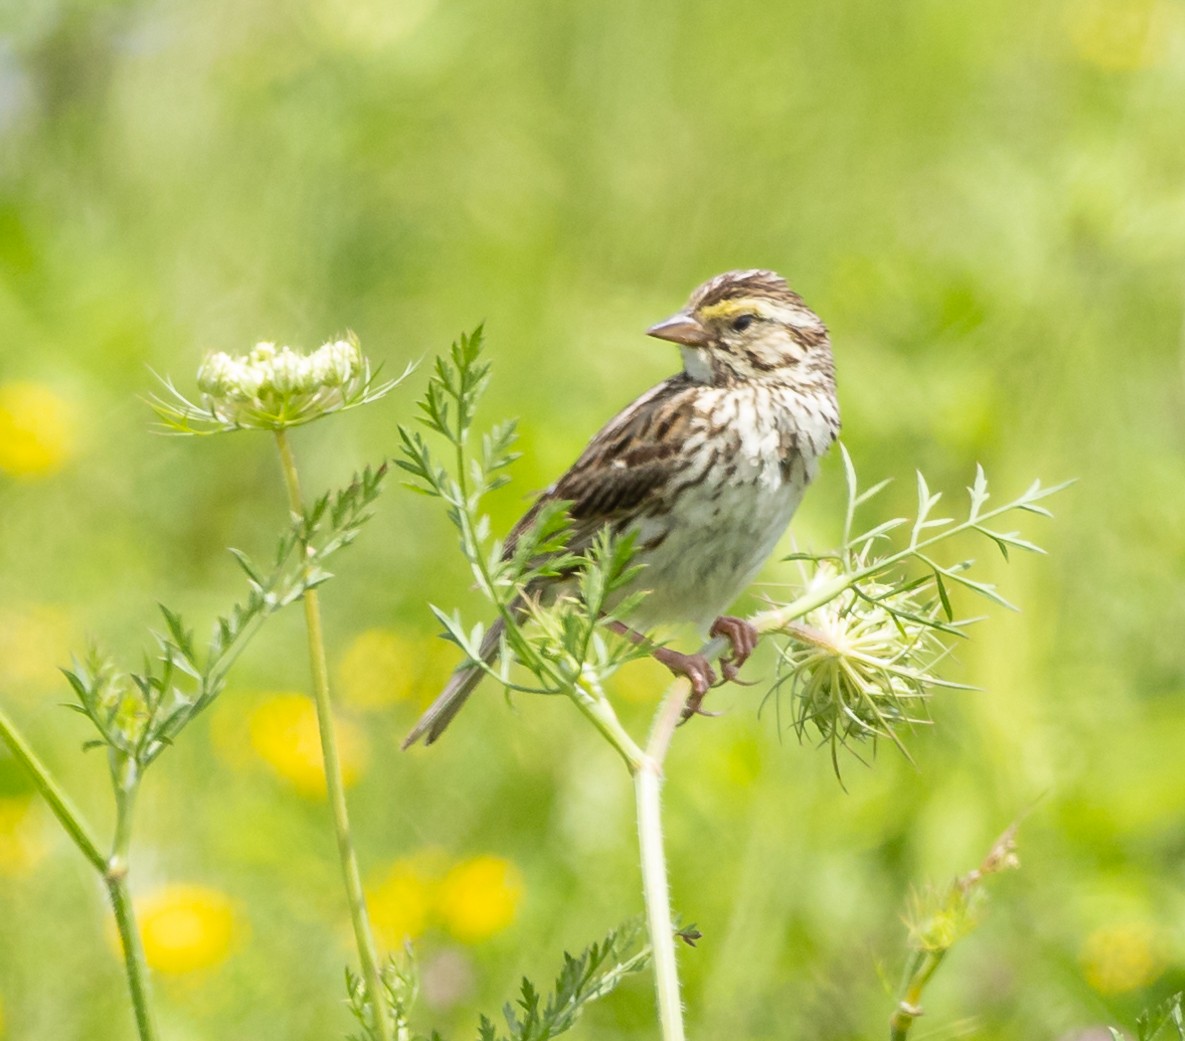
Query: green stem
[113,868]
[465,507]
[645,766]
[909,1006]
[600,712]
[63,808]
[133,955]
[115,876]
[778,618]
[656,892]
[355,897]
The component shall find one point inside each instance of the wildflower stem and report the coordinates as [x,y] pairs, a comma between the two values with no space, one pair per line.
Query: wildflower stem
[923,965]
[646,769]
[356,899]
[600,713]
[778,618]
[647,790]
[116,879]
[113,868]
[68,815]
[656,893]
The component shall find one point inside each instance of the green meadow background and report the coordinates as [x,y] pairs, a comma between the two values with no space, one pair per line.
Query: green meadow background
[985,202]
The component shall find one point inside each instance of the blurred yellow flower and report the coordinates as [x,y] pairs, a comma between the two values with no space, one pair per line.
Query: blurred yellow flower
[284,734]
[402,903]
[473,899]
[21,844]
[186,928]
[382,667]
[479,897]
[1123,957]
[1118,35]
[377,669]
[34,640]
[36,430]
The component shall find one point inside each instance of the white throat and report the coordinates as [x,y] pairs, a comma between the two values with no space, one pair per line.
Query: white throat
[695,364]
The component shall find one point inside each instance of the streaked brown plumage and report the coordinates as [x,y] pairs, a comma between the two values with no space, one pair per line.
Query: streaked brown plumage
[707,467]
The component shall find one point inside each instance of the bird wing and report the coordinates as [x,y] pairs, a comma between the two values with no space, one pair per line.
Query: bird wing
[623,471]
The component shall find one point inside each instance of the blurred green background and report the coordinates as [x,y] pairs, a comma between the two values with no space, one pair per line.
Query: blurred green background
[985,202]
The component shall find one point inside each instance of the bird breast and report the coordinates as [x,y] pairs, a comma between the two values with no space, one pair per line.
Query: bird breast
[750,454]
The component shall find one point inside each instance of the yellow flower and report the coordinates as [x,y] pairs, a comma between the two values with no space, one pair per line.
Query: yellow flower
[377,669]
[33,637]
[479,897]
[36,430]
[21,843]
[382,667]
[284,733]
[1122,957]
[186,928]
[1119,35]
[402,903]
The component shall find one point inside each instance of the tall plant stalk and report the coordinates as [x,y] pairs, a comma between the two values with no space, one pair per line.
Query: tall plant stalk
[648,791]
[113,869]
[335,786]
[646,770]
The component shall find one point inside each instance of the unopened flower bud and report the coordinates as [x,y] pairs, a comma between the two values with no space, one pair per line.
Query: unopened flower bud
[217,373]
[336,362]
[264,351]
[287,372]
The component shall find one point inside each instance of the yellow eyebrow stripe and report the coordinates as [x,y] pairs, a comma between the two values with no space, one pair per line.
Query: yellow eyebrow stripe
[739,305]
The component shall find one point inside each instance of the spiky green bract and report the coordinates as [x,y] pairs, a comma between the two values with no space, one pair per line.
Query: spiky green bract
[272,388]
[138,714]
[591,975]
[564,647]
[937,919]
[874,621]
[594,973]
[400,984]
[1165,1022]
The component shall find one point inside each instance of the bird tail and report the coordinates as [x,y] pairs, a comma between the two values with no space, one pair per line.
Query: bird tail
[461,684]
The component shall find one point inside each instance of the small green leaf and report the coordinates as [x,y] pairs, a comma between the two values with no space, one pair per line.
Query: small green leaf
[942,595]
[978,491]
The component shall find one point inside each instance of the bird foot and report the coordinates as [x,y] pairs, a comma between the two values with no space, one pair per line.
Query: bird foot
[694,666]
[742,638]
[698,670]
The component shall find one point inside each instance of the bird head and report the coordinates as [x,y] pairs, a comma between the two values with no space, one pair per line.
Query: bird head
[747,326]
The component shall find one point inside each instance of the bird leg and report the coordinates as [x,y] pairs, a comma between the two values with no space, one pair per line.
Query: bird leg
[742,638]
[694,666]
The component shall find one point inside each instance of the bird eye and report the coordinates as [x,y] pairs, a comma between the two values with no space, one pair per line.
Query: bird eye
[742,322]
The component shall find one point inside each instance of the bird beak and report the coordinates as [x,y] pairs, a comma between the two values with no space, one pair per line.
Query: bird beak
[680,328]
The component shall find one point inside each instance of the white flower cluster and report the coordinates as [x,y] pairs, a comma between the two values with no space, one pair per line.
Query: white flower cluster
[272,388]
[271,371]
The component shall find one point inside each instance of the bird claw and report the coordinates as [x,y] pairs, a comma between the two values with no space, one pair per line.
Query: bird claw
[693,707]
[694,666]
[742,638]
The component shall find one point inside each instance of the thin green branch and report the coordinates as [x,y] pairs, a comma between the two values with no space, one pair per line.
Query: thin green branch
[355,896]
[133,953]
[68,815]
